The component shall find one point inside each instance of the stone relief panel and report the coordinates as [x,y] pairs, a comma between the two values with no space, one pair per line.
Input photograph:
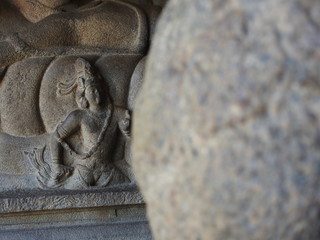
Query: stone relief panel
[69,79]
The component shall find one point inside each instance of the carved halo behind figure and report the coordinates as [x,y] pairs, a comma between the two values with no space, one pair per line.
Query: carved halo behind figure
[115,72]
[51,109]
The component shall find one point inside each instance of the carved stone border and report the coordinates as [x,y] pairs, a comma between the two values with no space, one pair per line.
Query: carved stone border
[57,200]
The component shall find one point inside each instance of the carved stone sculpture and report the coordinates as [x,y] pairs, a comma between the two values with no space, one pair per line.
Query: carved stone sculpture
[69,77]
[70,71]
[85,138]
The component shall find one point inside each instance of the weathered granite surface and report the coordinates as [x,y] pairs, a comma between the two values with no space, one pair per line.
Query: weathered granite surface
[226,130]
[117,222]
[69,75]
[160,2]
[40,200]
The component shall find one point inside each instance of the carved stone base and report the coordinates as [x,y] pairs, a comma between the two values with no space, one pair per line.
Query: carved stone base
[112,213]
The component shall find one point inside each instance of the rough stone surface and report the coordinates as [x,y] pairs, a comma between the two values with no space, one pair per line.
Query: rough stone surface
[39,200]
[67,69]
[107,223]
[160,2]
[227,127]
[92,27]
[69,72]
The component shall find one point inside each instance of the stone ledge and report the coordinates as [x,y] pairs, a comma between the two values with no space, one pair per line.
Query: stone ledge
[115,231]
[40,200]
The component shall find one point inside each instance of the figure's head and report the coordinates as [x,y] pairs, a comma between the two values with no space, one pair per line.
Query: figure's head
[85,73]
[92,95]
[87,85]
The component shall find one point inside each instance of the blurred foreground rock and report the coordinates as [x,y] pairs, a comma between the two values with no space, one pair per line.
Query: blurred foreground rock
[227,128]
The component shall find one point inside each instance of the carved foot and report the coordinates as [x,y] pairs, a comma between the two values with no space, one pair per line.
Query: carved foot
[59,173]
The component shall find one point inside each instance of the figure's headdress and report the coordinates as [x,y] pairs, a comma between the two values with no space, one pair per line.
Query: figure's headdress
[84,76]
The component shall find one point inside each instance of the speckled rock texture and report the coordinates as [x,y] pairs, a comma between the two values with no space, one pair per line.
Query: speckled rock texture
[160,2]
[227,127]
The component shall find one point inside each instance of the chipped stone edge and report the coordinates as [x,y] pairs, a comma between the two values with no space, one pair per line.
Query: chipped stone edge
[41,201]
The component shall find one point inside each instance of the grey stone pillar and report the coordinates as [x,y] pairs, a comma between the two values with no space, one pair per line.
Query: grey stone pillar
[227,127]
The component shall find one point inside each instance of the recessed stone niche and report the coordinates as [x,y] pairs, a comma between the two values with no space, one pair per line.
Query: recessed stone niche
[70,72]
